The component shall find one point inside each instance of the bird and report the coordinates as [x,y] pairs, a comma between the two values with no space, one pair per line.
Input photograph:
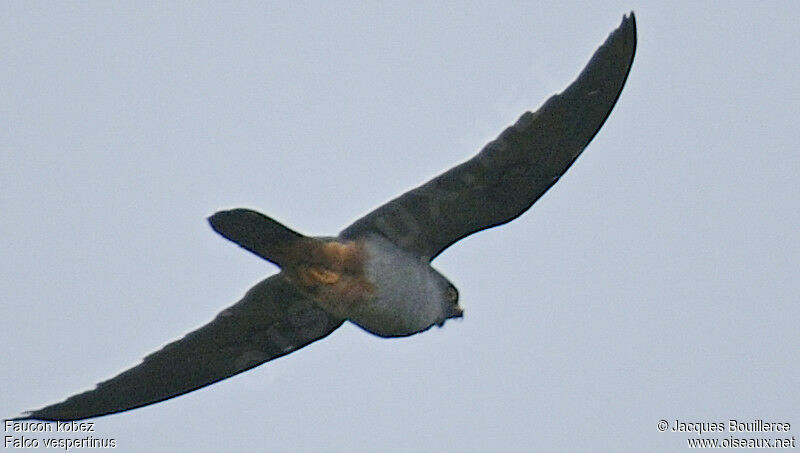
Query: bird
[376,273]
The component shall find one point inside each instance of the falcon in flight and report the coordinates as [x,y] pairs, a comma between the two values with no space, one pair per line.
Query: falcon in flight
[376,273]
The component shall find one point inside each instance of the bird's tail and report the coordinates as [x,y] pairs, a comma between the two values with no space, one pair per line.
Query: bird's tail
[260,234]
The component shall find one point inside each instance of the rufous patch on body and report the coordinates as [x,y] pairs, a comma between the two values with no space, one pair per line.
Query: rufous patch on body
[348,256]
[332,273]
[317,275]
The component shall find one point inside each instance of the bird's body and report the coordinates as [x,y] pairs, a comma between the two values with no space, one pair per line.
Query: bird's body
[377,272]
[410,295]
[368,279]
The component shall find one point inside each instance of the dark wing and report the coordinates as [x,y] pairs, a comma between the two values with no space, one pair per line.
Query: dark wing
[513,171]
[272,320]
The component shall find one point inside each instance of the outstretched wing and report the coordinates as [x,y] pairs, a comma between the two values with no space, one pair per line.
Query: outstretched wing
[513,171]
[272,320]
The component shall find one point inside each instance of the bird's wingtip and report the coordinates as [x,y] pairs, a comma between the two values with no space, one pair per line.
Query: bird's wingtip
[27,415]
[628,19]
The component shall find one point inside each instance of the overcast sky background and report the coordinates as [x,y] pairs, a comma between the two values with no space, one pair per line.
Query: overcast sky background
[657,280]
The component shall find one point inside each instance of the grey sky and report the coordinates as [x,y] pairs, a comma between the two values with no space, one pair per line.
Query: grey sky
[657,280]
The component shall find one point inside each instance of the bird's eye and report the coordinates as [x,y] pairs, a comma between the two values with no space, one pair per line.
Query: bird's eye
[452,294]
